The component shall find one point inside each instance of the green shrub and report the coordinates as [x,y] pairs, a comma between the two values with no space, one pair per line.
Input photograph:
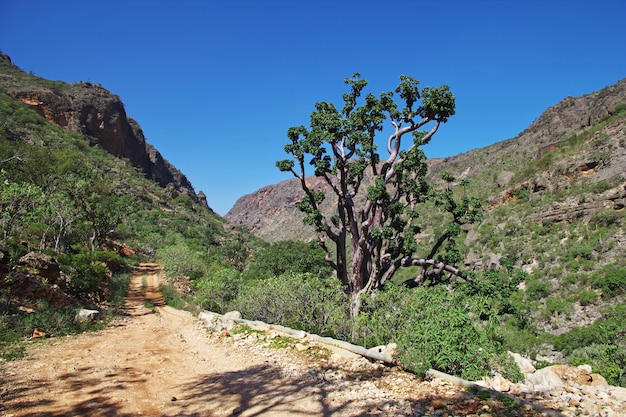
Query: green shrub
[612,283]
[607,360]
[179,260]
[215,291]
[558,305]
[382,314]
[299,301]
[88,276]
[536,290]
[175,298]
[290,257]
[439,333]
[587,297]
[607,217]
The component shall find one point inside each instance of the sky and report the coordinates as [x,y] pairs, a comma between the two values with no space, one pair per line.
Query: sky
[216,84]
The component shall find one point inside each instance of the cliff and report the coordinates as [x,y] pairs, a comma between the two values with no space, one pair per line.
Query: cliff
[99,116]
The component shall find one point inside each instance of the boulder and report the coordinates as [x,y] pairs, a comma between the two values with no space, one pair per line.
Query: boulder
[580,375]
[45,266]
[524,364]
[84,315]
[217,322]
[544,380]
[31,287]
[389,349]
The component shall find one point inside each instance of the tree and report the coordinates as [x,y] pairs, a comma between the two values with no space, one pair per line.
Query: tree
[378,234]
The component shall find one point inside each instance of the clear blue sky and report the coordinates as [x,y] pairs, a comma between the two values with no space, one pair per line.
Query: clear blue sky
[216,84]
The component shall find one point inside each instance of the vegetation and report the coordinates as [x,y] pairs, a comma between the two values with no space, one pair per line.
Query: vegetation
[64,197]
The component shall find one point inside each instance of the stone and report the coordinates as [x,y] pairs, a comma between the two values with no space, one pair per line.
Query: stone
[580,375]
[233,315]
[301,347]
[619,393]
[590,409]
[599,380]
[437,403]
[84,315]
[499,383]
[524,364]
[544,380]
[38,263]
[38,333]
[31,287]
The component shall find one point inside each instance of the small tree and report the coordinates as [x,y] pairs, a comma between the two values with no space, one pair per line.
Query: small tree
[374,239]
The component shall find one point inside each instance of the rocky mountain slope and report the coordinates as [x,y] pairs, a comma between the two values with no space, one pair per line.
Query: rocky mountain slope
[98,115]
[499,170]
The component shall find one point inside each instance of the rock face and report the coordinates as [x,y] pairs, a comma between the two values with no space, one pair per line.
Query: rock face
[270,212]
[99,115]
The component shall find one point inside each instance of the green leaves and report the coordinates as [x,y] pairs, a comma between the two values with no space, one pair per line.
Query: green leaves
[437,103]
[285,165]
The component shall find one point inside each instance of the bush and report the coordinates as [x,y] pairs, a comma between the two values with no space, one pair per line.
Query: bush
[587,297]
[216,291]
[613,283]
[290,257]
[536,289]
[607,218]
[382,314]
[439,333]
[558,305]
[300,301]
[88,276]
[179,261]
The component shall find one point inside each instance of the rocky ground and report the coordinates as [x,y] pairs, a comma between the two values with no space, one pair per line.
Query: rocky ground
[158,361]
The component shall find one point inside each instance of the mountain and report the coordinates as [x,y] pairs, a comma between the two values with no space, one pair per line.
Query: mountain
[99,116]
[83,196]
[500,168]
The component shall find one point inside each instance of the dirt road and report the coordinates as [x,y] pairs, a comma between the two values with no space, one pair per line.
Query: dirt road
[160,362]
[155,362]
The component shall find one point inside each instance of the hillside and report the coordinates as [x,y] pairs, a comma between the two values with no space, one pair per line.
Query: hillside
[83,197]
[99,116]
[554,198]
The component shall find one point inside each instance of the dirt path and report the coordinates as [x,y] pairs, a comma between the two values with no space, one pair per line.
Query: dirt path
[160,362]
[152,363]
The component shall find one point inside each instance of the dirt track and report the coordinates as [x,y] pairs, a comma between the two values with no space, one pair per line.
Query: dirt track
[154,363]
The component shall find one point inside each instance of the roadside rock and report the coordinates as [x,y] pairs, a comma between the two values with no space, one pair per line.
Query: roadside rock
[524,364]
[46,266]
[84,315]
[218,322]
[32,287]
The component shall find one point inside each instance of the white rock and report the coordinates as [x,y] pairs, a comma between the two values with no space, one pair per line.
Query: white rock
[86,315]
[233,315]
[524,364]
[544,380]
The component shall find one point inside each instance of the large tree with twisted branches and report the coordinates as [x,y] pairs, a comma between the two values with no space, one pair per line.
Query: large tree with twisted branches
[374,239]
